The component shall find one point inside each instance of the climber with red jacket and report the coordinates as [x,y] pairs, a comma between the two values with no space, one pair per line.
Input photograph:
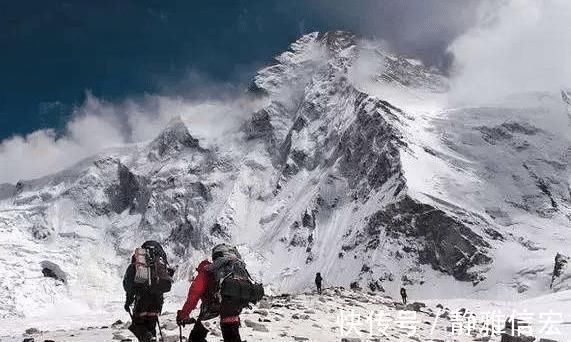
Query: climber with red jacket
[220,286]
[201,289]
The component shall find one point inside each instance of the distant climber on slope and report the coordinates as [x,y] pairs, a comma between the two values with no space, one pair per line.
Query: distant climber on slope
[146,279]
[318,282]
[225,288]
[403,295]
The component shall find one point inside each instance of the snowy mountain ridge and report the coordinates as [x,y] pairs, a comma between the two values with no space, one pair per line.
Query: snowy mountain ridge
[351,166]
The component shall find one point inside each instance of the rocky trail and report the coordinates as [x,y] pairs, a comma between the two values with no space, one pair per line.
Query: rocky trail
[336,315]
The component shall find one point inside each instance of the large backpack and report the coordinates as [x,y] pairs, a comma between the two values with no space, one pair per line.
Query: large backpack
[152,272]
[234,285]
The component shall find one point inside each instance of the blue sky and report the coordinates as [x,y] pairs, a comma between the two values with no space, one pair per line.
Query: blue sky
[55,51]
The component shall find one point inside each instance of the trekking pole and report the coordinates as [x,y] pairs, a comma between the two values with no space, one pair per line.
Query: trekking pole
[160,330]
[191,320]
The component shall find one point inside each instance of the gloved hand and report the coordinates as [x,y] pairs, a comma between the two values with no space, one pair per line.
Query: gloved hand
[180,319]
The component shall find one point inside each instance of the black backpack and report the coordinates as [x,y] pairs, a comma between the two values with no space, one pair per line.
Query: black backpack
[235,286]
[152,274]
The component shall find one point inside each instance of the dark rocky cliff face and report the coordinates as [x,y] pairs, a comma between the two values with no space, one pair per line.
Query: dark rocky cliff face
[438,239]
[368,152]
[130,192]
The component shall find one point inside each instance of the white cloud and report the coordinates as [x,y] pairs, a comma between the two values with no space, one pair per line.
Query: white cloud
[98,125]
[516,46]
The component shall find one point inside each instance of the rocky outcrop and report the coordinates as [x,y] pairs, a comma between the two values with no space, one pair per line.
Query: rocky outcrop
[411,73]
[561,273]
[368,151]
[565,95]
[506,131]
[173,139]
[438,239]
[259,126]
[52,270]
[130,192]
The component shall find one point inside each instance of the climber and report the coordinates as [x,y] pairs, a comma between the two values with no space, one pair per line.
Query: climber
[224,288]
[403,295]
[146,292]
[318,281]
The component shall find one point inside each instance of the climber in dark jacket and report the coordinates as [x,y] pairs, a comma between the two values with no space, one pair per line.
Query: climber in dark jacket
[318,281]
[403,295]
[148,306]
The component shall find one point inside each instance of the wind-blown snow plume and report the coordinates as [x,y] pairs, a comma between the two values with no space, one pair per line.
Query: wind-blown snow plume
[421,28]
[97,125]
[368,65]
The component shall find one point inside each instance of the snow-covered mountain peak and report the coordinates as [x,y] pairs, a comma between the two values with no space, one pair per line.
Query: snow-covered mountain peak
[172,140]
[347,166]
